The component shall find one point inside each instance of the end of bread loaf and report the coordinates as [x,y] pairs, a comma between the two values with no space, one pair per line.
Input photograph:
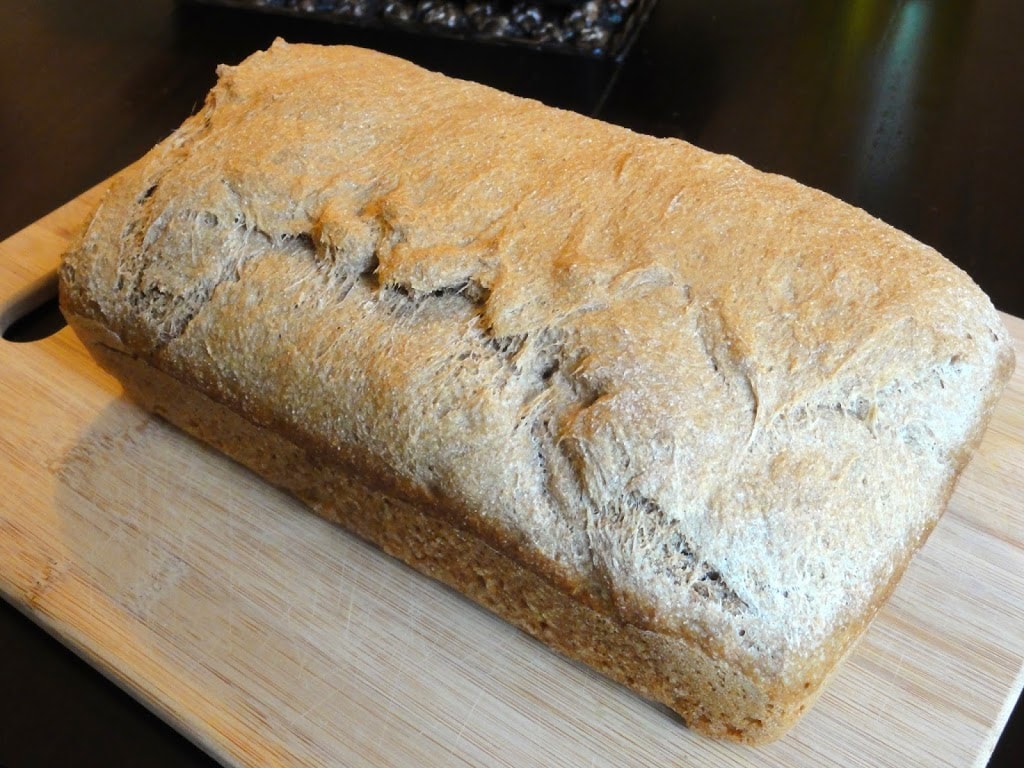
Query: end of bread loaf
[679,419]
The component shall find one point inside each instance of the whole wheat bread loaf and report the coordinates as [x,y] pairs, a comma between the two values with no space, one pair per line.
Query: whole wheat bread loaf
[680,419]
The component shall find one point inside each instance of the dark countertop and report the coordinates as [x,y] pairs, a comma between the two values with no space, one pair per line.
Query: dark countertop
[911,109]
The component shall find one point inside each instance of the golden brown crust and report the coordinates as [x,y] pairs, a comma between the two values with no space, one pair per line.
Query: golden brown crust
[706,408]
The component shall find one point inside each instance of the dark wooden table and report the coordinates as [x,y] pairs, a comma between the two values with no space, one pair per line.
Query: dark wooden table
[911,109]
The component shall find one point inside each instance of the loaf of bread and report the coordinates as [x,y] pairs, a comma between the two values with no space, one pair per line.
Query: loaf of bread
[682,420]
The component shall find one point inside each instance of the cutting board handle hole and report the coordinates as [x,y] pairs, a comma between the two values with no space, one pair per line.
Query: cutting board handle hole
[34,315]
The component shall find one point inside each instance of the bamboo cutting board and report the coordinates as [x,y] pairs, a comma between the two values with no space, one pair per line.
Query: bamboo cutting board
[270,637]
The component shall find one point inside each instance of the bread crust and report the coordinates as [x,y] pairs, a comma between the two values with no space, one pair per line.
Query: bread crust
[699,417]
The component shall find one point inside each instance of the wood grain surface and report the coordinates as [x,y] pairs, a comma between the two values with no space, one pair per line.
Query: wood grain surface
[270,637]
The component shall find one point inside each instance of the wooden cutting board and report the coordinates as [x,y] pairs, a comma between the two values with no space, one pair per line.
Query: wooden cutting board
[271,638]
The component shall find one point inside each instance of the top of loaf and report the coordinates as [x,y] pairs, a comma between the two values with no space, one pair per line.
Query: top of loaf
[708,400]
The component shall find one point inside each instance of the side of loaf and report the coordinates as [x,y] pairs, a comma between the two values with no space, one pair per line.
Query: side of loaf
[682,420]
